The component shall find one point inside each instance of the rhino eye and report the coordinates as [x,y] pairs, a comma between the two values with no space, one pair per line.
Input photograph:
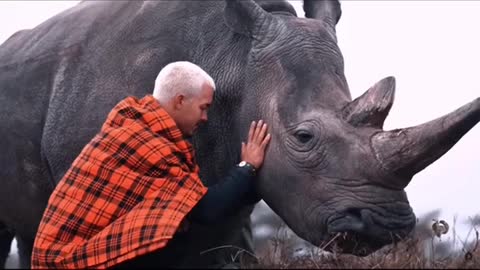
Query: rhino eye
[303,136]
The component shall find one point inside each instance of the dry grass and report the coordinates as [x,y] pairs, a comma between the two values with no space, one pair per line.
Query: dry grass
[409,254]
[420,251]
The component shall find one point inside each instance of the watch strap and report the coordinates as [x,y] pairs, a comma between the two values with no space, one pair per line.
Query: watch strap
[248,166]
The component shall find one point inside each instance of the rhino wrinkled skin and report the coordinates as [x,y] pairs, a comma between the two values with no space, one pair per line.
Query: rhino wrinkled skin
[330,168]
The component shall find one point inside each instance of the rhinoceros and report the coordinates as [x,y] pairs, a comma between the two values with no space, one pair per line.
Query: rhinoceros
[330,168]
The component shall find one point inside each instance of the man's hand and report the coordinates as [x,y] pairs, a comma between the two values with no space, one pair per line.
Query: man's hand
[253,151]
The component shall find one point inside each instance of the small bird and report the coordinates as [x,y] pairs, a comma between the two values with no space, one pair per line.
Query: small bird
[439,227]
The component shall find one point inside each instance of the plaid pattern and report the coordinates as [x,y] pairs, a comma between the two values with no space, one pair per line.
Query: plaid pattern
[125,194]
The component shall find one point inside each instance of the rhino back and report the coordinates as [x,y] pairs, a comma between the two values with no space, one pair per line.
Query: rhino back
[96,54]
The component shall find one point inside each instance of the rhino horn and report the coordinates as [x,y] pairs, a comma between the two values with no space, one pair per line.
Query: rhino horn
[328,11]
[404,152]
[245,17]
[371,108]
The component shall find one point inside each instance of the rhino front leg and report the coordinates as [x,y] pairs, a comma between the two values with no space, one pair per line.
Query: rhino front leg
[6,238]
[24,251]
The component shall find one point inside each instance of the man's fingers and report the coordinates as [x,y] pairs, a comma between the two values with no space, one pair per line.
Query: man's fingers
[261,133]
[243,148]
[266,140]
[257,130]
[250,132]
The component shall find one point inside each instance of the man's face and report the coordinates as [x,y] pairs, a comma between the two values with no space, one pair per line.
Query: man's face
[192,111]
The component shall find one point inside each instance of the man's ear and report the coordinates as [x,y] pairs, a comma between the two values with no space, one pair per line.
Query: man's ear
[178,101]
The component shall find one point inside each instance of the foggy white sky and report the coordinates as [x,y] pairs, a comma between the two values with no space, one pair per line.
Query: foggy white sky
[433,50]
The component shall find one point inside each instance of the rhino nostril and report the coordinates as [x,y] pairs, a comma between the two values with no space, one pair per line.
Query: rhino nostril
[355,220]
[350,221]
[354,212]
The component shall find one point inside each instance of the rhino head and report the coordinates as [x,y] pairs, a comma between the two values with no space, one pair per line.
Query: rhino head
[331,172]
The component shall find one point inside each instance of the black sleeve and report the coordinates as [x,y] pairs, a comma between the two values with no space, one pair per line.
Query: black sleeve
[227,197]
[252,197]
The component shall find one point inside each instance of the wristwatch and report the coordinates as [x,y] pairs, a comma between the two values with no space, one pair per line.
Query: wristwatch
[250,167]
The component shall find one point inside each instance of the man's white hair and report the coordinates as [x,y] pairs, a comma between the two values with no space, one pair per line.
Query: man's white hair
[180,78]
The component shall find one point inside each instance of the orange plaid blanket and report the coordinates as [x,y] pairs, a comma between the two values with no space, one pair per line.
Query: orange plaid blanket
[125,194]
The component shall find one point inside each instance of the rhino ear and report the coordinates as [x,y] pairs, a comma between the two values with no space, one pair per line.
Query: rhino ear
[328,11]
[244,17]
[282,6]
[371,108]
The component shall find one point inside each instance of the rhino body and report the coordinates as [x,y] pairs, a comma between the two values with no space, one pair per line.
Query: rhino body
[330,168]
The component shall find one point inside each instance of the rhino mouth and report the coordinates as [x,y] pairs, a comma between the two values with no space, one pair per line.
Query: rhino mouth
[361,232]
[353,243]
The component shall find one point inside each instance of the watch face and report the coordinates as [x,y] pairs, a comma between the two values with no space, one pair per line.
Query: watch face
[243,163]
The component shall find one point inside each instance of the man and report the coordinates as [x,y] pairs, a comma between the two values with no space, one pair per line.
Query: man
[135,185]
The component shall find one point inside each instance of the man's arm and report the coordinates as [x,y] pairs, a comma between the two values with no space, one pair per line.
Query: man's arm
[226,198]
[237,189]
